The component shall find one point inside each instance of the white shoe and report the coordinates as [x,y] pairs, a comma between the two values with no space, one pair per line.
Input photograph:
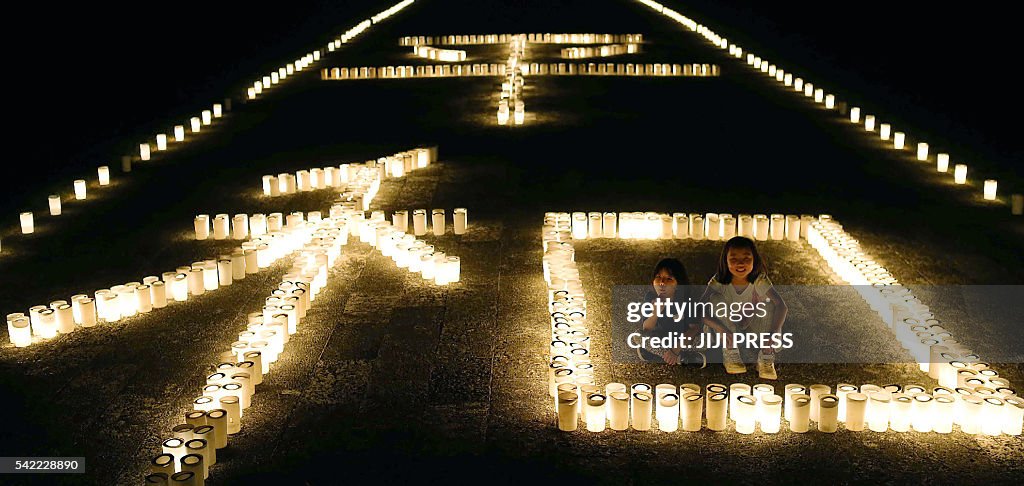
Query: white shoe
[733,361]
[766,366]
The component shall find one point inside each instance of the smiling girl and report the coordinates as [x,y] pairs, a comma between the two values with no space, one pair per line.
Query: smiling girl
[742,277]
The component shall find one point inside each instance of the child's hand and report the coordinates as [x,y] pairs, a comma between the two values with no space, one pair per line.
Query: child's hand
[670,357]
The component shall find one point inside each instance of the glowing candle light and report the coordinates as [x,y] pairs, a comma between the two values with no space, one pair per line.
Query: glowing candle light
[942,162]
[900,405]
[80,190]
[618,409]
[692,406]
[143,152]
[735,391]
[921,413]
[419,222]
[992,423]
[770,413]
[437,222]
[922,151]
[855,115]
[819,95]
[878,411]
[196,124]
[745,415]
[899,140]
[103,172]
[668,412]
[202,226]
[990,189]
[1013,415]
[218,110]
[54,202]
[830,102]
[842,390]
[460,220]
[960,174]
[884,131]
[20,331]
[161,141]
[207,117]
[27,223]
[869,123]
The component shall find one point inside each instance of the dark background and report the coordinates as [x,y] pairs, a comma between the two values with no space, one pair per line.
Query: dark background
[87,82]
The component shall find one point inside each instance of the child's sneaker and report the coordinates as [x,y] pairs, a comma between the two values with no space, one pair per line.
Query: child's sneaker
[766,366]
[733,361]
[693,358]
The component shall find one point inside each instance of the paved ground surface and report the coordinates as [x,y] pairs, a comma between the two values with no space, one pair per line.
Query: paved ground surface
[393,379]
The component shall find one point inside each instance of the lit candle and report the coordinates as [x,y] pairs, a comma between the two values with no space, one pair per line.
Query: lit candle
[842,390]
[179,133]
[735,391]
[143,151]
[419,222]
[27,223]
[885,130]
[922,151]
[942,162]
[869,123]
[103,173]
[878,411]
[855,115]
[54,202]
[202,226]
[770,413]
[207,117]
[716,411]
[437,222]
[990,189]
[161,141]
[218,110]
[830,101]
[80,189]
[618,408]
[745,415]
[899,140]
[960,174]
[817,391]
[668,412]
[1013,415]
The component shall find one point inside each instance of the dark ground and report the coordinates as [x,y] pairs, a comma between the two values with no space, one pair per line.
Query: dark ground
[391,379]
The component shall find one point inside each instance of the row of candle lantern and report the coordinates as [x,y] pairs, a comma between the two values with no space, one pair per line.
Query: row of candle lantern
[407,251]
[460,221]
[230,385]
[535,38]
[599,51]
[892,407]
[395,165]
[885,131]
[280,74]
[527,69]
[127,300]
[912,323]
[80,193]
[436,54]
[511,95]
[698,226]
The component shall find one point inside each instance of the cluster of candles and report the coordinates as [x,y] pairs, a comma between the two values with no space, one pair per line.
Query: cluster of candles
[535,38]
[460,221]
[699,226]
[433,53]
[55,201]
[599,51]
[900,408]
[897,140]
[280,74]
[270,241]
[362,180]
[230,385]
[970,393]
[526,69]
[393,240]
[511,95]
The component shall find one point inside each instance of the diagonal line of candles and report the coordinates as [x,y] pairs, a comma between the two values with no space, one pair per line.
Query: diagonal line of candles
[205,118]
[895,140]
[436,54]
[512,86]
[531,69]
[269,238]
[969,393]
[599,51]
[534,38]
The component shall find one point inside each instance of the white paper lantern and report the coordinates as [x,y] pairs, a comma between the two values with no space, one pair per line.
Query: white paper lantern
[54,202]
[885,131]
[899,140]
[869,123]
[104,175]
[161,142]
[942,162]
[437,222]
[143,151]
[641,405]
[922,151]
[818,391]
[27,223]
[990,189]
[855,115]
[207,117]
[828,413]
[745,414]
[202,226]
[179,133]
[960,174]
